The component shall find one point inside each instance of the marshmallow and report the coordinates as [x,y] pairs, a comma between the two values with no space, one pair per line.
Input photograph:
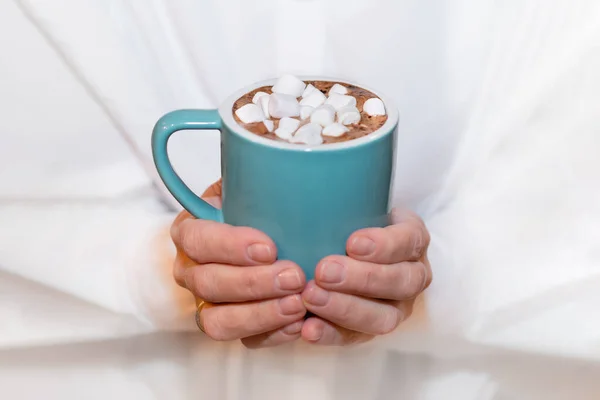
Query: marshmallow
[287,126]
[257,96]
[309,134]
[315,99]
[324,115]
[339,89]
[340,100]
[374,106]
[305,112]
[348,115]
[335,130]
[283,105]
[263,102]
[289,84]
[250,113]
[269,125]
[309,90]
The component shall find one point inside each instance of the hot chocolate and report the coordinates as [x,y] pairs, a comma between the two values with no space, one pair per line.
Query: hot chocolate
[310,112]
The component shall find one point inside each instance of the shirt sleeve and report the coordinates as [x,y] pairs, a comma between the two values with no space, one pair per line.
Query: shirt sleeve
[106,266]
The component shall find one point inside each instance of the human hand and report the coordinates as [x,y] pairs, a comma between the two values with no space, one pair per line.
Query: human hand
[248,295]
[370,291]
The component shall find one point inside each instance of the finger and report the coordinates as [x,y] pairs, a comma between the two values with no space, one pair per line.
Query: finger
[214,190]
[181,264]
[404,241]
[214,242]
[281,336]
[237,321]
[398,215]
[217,283]
[355,313]
[317,331]
[182,216]
[399,281]
[212,195]
[429,271]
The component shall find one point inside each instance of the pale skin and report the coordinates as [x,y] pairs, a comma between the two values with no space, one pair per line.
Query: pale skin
[263,301]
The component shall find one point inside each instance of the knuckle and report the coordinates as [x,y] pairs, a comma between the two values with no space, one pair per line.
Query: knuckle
[213,328]
[263,315]
[414,280]
[192,239]
[429,274]
[399,244]
[174,231]
[250,284]
[227,325]
[345,312]
[422,239]
[251,233]
[409,240]
[426,235]
[406,310]
[390,320]
[243,322]
[203,284]
[368,281]
[418,244]
[179,273]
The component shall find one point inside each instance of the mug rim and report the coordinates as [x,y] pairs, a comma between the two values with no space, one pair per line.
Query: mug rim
[226,113]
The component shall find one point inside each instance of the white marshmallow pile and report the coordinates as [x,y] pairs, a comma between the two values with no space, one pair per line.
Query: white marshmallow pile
[315,99]
[306,114]
[270,125]
[289,84]
[250,113]
[283,105]
[374,106]
[323,115]
[335,130]
[287,127]
[348,115]
[308,134]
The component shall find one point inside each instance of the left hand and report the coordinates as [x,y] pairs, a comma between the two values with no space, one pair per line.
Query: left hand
[370,291]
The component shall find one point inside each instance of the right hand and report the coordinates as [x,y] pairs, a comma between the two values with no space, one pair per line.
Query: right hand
[250,295]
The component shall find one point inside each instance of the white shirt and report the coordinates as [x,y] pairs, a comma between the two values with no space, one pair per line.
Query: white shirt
[498,152]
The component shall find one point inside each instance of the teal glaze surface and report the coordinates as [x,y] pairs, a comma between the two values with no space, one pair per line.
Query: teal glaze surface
[170,123]
[308,202]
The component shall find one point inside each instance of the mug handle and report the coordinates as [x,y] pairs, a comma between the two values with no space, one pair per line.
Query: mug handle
[170,123]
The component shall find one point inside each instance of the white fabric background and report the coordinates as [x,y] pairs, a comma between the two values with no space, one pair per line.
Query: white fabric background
[498,151]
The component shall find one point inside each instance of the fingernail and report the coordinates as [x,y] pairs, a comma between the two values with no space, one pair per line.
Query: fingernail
[314,334]
[362,246]
[294,328]
[316,296]
[259,252]
[289,279]
[332,272]
[291,305]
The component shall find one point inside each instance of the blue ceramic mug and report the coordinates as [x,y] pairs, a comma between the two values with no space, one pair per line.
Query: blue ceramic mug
[308,199]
